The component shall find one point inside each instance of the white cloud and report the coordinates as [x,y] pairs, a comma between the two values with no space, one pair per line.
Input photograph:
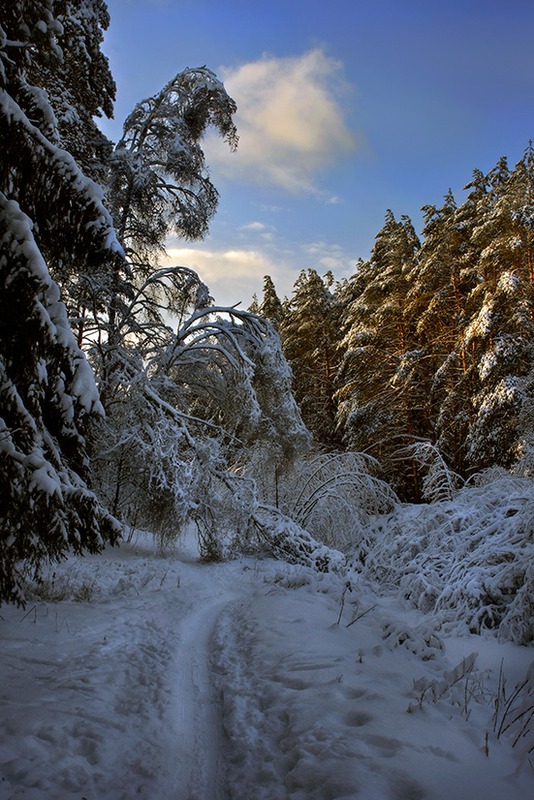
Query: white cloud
[256,227]
[290,121]
[327,256]
[232,275]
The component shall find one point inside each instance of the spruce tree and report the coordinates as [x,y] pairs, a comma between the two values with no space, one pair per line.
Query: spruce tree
[271,307]
[80,89]
[79,86]
[49,213]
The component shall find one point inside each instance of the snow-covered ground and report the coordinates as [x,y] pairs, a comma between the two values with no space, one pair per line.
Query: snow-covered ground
[140,675]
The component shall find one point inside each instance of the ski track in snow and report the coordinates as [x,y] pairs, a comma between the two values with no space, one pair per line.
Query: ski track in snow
[182,681]
[198,736]
[115,694]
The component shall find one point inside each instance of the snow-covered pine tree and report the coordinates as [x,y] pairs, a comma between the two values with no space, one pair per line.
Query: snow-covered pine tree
[450,243]
[501,331]
[48,211]
[254,306]
[309,332]
[271,307]
[378,412]
[436,306]
[478,258]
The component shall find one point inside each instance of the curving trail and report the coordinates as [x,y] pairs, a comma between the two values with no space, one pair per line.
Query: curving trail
[142,677]
[112,699]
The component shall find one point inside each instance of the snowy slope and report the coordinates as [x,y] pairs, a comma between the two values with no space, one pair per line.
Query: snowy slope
[156,677]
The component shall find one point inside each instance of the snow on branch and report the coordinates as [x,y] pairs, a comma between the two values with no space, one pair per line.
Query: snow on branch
[78,201]
[468,560]
[285,539]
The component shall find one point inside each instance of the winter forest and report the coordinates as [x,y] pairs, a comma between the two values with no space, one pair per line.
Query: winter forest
[282,552]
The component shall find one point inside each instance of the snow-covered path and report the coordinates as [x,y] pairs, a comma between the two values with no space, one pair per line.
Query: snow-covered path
[112,698]
[162,679]
[197,730]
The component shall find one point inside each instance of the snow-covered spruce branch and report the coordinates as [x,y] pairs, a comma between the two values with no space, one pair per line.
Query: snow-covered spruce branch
[57,167]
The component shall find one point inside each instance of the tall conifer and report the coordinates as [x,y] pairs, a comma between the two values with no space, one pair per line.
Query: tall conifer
[50,213]
[378,411]
[309,337]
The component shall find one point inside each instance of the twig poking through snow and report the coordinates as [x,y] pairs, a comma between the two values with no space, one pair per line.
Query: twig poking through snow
[360,616]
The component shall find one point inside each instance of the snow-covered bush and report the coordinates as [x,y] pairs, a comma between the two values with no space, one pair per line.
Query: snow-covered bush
[335,495]
[439,482]
[454,685]
[422,640]
[469,560]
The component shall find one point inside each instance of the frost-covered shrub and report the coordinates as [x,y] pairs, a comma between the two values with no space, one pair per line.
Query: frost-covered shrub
[421,640]
[439,482]
[469,560]
[335,495]
[514,712]
[454,685]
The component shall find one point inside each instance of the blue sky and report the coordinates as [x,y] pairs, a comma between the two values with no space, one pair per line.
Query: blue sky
[346,108]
